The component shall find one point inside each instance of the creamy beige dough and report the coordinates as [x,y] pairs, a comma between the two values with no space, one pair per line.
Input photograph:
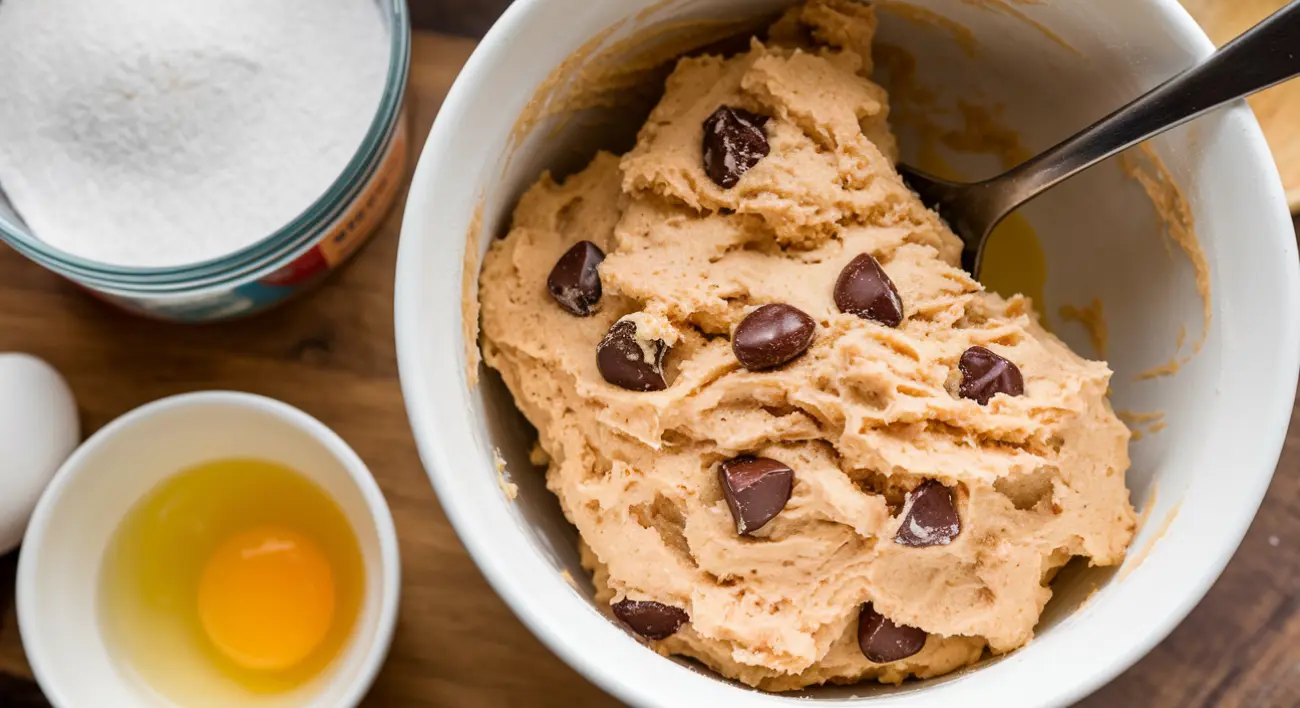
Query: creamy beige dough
[866,414]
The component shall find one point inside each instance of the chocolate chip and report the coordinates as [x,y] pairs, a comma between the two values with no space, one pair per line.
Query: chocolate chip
[772,335]
[863,289]
[734,141]
[985,375]
[929,517]
[882,641]
[574,281]
[629,361]
[650,619]
[756,489]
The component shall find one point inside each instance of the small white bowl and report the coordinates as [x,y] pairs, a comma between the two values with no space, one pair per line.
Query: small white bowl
[59,568]
[1226,411]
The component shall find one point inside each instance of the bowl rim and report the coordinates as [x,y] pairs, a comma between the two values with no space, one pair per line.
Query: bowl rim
[504,564]
[75,466]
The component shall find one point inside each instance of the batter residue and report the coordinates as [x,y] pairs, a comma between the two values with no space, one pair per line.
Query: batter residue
[469,308]
[1137,560]
[1143,165]
[1093,319]
[1008,8]
[1142,424]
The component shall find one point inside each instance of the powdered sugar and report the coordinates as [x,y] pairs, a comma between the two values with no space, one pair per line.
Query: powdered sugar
[167,132]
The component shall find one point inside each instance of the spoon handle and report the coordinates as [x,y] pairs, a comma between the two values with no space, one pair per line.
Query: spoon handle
[1267,54]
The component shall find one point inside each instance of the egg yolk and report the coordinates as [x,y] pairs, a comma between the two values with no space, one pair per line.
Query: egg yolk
[266,598]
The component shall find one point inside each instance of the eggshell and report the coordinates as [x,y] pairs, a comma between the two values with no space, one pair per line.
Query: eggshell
[38,431]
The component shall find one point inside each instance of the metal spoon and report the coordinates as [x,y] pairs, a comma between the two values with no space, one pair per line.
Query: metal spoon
[1267,54]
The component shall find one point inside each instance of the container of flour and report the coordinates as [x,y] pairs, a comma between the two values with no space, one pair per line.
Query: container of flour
[200,160]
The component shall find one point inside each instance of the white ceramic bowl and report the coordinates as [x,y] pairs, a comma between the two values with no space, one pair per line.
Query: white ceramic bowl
[59,568]
[1226,410]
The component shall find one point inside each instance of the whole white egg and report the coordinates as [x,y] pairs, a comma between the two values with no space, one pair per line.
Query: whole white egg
[38,431]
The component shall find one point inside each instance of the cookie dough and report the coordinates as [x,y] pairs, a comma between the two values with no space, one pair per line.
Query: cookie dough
[945,462]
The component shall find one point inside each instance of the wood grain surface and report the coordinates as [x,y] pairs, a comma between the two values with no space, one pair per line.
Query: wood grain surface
[331,353]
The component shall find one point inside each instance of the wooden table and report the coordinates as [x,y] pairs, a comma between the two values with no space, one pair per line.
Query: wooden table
[332,354]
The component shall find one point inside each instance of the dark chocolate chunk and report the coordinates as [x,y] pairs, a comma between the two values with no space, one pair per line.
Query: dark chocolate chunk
[574,281]
[863,289]
[772,335]
[734,141]
[650,619]
[929,517]
[882,641]
[985,375]
[756,489]
[622,359]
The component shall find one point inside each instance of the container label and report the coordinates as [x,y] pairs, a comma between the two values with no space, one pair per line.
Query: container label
[354,226]
[335,244]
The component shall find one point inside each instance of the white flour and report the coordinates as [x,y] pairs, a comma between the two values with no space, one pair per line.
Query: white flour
[166,132]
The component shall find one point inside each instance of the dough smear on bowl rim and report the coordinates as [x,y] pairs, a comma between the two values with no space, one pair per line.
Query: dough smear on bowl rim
[864,416]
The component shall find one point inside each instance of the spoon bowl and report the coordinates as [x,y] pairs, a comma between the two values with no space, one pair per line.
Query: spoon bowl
[1263,56]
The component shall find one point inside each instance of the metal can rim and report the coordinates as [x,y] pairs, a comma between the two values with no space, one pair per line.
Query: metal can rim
[271,250]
